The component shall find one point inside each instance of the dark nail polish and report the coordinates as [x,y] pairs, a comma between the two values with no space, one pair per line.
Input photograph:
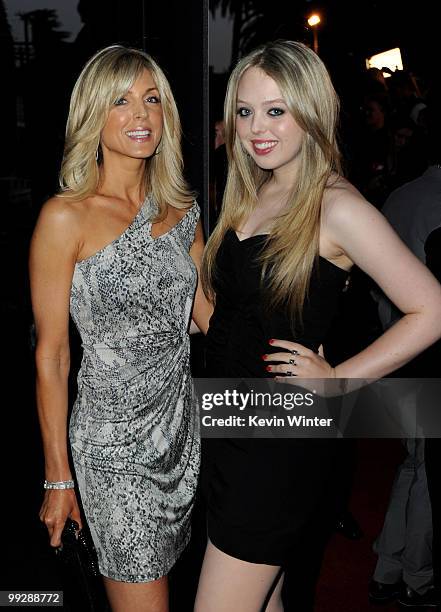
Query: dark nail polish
[264,356]
[269,368]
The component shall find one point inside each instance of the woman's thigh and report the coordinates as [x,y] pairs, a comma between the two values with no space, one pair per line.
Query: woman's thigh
[137,597]
[227,583]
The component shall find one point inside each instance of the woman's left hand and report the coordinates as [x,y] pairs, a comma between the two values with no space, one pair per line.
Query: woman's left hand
[297,360]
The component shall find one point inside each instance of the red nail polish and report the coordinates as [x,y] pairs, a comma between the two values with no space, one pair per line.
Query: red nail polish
[269,368]
[271,341]
[264,356]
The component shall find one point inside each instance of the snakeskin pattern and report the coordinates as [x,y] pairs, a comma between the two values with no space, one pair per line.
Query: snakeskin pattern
[134,428]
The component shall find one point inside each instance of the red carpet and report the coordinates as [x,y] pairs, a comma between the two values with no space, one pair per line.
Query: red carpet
[348,565]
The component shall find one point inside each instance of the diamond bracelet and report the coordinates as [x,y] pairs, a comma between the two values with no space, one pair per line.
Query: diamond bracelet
[60,484]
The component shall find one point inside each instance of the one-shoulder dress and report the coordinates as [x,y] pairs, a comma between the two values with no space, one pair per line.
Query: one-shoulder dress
[265,497]
[134,428]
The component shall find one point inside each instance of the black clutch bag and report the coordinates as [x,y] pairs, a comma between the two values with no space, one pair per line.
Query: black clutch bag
[77,549]
[79,565]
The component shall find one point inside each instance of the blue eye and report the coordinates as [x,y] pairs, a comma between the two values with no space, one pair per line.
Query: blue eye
[243,112]
[154,100]
[120,102]
[276,112]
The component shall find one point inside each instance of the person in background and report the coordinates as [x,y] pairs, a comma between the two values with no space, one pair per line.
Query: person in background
[407,98]
[408,560]
[218,171]
[219,133]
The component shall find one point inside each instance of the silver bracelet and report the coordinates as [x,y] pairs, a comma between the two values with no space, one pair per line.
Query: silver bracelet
[60,484]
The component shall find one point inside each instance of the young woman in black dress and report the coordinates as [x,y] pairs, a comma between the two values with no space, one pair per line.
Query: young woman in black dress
[290,230]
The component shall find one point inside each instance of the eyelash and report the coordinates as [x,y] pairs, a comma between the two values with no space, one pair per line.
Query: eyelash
[120,101]
[245,112]
[280,111]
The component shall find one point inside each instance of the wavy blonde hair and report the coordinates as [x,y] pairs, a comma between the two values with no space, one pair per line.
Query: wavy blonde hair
[106,77]
[292,246]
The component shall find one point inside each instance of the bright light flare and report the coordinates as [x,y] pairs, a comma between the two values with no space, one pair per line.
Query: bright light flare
[387,59]
[314,20]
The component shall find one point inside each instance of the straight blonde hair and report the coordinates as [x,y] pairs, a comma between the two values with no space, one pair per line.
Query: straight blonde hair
[106,77]
[292,246]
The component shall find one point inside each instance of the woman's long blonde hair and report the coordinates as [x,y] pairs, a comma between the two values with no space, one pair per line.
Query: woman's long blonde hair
[106,77]
[292,248]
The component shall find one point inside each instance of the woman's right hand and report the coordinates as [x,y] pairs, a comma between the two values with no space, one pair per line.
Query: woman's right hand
[58,505]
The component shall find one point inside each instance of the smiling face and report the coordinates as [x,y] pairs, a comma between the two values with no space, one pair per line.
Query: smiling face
[134,125]
[264,125]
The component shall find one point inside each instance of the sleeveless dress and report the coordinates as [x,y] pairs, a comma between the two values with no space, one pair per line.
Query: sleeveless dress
[134,428]
[265,496]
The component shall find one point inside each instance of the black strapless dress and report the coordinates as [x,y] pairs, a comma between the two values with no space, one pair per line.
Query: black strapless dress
[264,495]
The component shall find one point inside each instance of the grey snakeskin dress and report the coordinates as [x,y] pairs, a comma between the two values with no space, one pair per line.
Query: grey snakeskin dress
[134,428]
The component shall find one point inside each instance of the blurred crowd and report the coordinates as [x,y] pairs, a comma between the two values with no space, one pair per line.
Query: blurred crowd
[388,142]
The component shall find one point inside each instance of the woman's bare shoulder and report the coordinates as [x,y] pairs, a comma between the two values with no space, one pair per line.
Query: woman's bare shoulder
[61,224]
[342,198]
[178,213]
[64,214]
[339,188]
[59,210]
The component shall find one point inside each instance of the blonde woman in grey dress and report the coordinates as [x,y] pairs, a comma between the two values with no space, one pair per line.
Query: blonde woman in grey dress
[119,247]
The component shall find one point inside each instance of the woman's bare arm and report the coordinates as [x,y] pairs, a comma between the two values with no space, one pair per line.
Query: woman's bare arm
[370,242]
[53,253]
[361,232]
[202,307]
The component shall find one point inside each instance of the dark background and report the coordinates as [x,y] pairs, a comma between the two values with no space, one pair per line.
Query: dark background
[349,33]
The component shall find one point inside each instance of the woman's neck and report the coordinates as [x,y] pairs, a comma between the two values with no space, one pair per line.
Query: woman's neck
[124,179]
